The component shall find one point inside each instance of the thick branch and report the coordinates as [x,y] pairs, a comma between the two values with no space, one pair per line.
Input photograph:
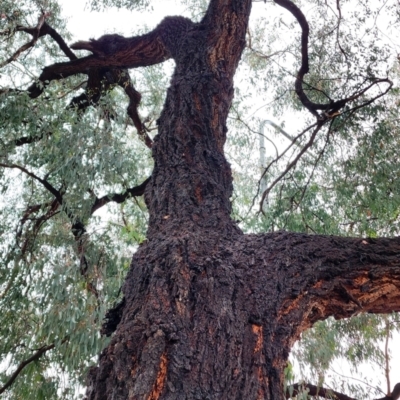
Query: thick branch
[229,9]
[343,276]
[321,276]
[115,51]
[316,391]
[358,272]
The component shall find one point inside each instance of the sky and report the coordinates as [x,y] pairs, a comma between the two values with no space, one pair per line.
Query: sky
[84,25]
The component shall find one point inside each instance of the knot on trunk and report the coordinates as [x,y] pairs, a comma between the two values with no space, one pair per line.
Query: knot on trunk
[104,46]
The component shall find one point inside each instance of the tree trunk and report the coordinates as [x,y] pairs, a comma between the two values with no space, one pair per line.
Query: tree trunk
[210,313]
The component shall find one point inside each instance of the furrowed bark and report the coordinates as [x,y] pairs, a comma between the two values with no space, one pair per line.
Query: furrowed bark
[207,311]
[295,280]
[183,332]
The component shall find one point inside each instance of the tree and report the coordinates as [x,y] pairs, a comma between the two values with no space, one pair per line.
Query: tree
[207,311]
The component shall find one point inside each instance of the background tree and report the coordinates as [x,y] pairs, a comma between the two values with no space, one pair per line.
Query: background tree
[208,311]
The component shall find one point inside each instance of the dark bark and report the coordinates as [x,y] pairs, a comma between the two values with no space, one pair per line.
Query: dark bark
[208,316]
[394,395]
[313,390]
[210,313]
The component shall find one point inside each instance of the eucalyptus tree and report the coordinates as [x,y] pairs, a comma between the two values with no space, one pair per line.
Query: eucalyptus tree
[206,311]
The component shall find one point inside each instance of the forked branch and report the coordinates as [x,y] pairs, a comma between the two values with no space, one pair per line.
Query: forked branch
[46,29]
[35,33]
[115,51]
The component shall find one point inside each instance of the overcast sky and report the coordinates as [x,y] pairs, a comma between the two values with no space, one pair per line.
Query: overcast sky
[85,24]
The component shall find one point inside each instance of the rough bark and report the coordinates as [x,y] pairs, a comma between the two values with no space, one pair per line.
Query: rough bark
[210,313]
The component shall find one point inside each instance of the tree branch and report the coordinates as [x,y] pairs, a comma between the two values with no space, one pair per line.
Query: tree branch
[23,364]
[304,67]
[345,276]
[134,100]
[120,198]
[290,165]
[35,32]
[78,229]
[319,276]
[115,51]
[46,184]
[332,108]
[46,29]
[313,390]
[387,355]
[53,208]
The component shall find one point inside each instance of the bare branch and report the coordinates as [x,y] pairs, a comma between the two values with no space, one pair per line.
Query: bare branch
[46,29]
[332,108]
[35,33]
[134,100]
[120,198]
[77,228]
[304,68]
[387,356]
[23,364]
[52,211]
[46,184]
[291,164]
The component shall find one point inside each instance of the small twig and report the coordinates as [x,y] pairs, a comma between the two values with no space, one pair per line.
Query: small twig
[387,356]
[274,161]
[315,164]
[291,164]
[358,380]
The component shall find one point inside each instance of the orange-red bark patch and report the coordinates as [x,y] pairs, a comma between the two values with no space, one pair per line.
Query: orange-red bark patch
[160,380]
